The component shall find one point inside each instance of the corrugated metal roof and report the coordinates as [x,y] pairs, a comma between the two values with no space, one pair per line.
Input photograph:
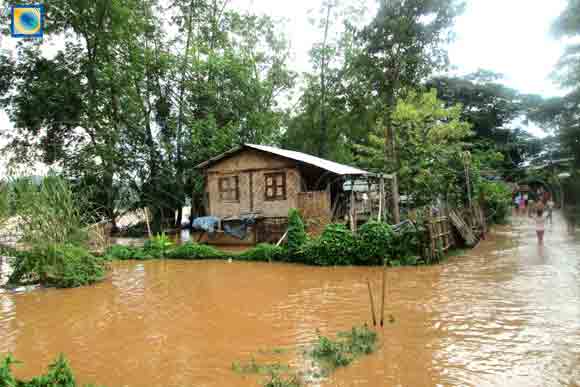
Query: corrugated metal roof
[331,166]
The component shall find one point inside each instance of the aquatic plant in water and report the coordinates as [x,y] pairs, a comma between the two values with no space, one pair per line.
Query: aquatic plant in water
[345,349]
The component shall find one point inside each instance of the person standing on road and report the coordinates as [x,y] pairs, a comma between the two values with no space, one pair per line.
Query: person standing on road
[540,226]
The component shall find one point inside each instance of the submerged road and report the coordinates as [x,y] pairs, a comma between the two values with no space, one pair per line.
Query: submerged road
[506,313]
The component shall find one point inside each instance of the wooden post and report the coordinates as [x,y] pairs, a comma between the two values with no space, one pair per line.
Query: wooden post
[372,304]
[383,294]
[352,210]
[381,196]
[146,211]
[396,210]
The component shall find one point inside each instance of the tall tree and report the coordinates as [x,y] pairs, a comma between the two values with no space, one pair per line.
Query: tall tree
[403,45]
[495,112]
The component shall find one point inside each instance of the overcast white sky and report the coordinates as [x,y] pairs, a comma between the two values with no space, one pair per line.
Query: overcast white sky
[507,36]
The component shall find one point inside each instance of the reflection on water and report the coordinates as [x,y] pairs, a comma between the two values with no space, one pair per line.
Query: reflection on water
[504,314]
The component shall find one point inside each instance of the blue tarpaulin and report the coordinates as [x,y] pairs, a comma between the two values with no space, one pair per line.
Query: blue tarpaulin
[207,223]
[239,228]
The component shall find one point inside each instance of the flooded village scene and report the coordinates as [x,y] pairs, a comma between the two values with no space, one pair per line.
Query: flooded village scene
[256,193]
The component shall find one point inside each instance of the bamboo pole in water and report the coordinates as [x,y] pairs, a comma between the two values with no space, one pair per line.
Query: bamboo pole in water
[372,304]
[383,295]
[146,212]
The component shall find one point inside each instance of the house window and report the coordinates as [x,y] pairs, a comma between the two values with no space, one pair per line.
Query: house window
[229,189]
[275,186]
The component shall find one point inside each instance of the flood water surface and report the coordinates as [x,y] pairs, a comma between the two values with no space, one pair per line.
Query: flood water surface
[504,314]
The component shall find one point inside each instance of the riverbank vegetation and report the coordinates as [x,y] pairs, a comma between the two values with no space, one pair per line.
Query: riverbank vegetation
[375,244]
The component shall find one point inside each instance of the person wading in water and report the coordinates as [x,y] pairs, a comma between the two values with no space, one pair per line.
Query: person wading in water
[540,225]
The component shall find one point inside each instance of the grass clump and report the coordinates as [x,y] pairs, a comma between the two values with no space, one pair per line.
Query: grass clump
[252,367]
[276,380]
[265,252]
[345,349]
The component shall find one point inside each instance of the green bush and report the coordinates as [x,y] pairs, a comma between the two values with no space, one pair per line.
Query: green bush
[498,198]
[62,266]
[59,375]
[296,232]
[122,253]
[405,246]
[265,252]
[336,246]
[158,245]
[375,241]
[192,250]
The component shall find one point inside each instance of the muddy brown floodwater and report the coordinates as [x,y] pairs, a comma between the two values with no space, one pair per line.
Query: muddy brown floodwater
[504,314]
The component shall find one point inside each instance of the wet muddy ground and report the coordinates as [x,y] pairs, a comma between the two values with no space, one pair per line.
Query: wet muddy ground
[504,314]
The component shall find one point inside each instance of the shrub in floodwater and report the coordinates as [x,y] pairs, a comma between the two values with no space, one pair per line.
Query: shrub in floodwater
[348,346]
[296,232]
[191,250]
[126,252]
[158,245]
[59,375]
[62,266]
[265,252]
[336,246]
[375,240]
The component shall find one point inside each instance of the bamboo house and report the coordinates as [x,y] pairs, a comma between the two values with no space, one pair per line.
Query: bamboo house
[265,182]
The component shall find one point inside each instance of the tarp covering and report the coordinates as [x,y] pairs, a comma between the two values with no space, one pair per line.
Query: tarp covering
[239,228]
[206,223]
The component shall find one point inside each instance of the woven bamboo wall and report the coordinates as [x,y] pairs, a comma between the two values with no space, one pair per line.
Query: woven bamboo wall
[315,208]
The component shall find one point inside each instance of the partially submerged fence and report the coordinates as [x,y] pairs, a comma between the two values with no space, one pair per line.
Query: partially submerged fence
[440,237]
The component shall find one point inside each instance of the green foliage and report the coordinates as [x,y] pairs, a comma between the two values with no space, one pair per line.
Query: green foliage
[279,381]
[158,245]
[498,199]
[425,127]
[4,203]
[59,375]
[492,110]
[375,243]
[192,250]
[266,253]
[128,116]
[252,367]
[343,351]
[405,246]
[336,246]
[62,266]
[296,231]
[49,212]
[122,253]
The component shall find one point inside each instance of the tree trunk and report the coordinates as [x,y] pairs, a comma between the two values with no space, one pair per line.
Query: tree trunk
[322,150]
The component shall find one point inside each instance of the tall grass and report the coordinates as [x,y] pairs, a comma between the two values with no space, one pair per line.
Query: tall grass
[48,212]
[54,231]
